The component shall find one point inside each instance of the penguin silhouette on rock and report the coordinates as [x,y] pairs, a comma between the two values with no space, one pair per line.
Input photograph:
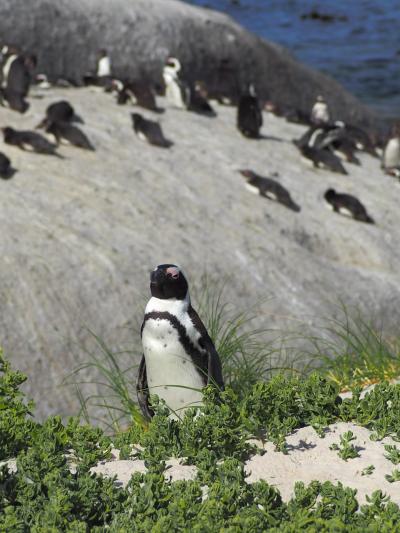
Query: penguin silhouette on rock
[249,114]
[179,357]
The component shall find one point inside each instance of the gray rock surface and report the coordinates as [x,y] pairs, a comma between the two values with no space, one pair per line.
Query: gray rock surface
[79,236]
[141,34]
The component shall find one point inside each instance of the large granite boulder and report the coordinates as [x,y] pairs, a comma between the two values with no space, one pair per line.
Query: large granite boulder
[141,34]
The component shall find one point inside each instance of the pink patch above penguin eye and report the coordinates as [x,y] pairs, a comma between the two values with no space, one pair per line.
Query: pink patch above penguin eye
[173,272]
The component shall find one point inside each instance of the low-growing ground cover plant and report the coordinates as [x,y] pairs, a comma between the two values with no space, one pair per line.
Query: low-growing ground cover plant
[53,489]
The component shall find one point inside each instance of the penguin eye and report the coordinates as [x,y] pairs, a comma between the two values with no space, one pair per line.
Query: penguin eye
[172,272]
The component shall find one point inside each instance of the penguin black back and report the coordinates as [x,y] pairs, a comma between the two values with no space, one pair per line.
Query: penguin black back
[269,188]
[29,140]
[249,115]
[150,131]
[70,133]
[348,205]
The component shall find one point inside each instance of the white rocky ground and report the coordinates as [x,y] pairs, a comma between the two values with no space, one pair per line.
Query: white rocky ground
[80,235]
[309,458]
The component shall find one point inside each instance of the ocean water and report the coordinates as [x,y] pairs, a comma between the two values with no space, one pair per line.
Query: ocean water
[361,52]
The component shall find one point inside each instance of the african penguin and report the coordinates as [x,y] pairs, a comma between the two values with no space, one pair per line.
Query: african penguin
[179,357]
[150,131]
[103,64]
[64,131]
[249,115]
[320,112]
[29,140]
[6,170]
[139,93]
[61,111]
[391,153]
[269,188]
[198,102]
[13,100]
[177,91]
[323,158]
[348,205]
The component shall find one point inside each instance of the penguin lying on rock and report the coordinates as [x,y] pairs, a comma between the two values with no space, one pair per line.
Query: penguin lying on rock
[6,170]
[30,141]
[323,158]
[139,93]
[179,357]
[150,131]
[348,205]
[269,188]
[61,111]
[70,134]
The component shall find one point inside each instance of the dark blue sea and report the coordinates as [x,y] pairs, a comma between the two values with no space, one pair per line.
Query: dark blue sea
[360,48]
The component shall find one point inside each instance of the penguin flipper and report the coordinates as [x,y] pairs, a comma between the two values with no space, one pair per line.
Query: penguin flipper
[214,369]
[142,390]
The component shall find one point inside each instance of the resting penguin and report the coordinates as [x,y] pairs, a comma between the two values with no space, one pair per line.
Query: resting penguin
[64,131]
[348,205]
[198,102]
[249,115]
[269,188]
[6,170]
[177,91]
[150,131]
[391,153]
[61,111]
[139,93]
[323,158]
[179,357]
[29,140]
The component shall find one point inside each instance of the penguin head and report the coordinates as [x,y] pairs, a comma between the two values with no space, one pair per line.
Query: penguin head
[248,174]
[168,282]
[136,119]
[7,132]
[330,194]
[173,64]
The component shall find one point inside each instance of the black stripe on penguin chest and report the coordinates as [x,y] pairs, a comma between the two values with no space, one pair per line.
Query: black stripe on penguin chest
[198,356]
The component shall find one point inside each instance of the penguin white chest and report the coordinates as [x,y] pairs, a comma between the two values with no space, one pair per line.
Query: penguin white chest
[391,155]
[174,93]
[171,373]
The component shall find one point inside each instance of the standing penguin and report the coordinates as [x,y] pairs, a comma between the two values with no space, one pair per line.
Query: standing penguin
[347,205]
[17,78]
[320,112]
[176,90]
[179,357]
[391,153]
[249,115]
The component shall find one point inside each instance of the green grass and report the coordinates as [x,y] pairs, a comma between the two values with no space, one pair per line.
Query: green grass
[353,351]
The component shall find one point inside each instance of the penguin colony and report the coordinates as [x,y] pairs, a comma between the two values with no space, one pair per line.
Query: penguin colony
[179,357]
[326,144]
